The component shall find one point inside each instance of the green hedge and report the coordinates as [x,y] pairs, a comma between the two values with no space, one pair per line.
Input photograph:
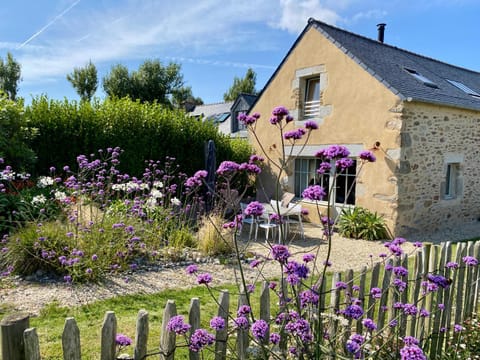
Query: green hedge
[67,129]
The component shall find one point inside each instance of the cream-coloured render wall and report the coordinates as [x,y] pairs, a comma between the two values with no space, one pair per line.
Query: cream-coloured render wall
[431,137]
[363,111]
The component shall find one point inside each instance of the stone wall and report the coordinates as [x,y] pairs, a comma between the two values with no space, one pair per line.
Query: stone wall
[432,137]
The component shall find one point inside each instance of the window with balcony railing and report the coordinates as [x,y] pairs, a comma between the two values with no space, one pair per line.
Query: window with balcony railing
[311,107]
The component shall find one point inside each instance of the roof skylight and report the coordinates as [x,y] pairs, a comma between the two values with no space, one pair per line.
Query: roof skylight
[426,81]
[464,88]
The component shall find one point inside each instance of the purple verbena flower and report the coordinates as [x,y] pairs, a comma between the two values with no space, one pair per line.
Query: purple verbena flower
[470,261]
[254,208]
[314,192]
[259,329]
[217,323]
[199,339]
[241,322]
[274,338]
[191,269]
[353,311]
[122,340]
[369,324]
[280,253]
[367,156]
[177,325]
[244,310]
[204,278]
[412,353]
[311,125]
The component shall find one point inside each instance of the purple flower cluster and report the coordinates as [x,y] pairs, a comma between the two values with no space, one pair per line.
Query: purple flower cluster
[260,329]
[199,339]
[343,164]
[254,208]
[353,311]
[333,152]
[412,352]
[376,293]
[367,156]
[278,114]
[294,134]
[196,179]
[204,278]
[311,125]
[301,328]
[354,343]
[369,324]
[308,297]
[280,253]
[248,119]
[227,167]
[123,340]
[314,192]
[439,280]
[470,261]
[177,325]
[217,323]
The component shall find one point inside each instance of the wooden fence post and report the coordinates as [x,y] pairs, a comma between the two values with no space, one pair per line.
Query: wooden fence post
[109,333]
[194,321]
[242,334]
[71,340]
[12,328]
[32,347]
[141,335]
[222,335]
[167,338]
[265,308]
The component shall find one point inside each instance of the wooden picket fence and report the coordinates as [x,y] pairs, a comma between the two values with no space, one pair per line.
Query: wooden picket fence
[460,300]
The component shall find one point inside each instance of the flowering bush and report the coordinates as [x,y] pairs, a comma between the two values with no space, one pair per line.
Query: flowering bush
[84,225]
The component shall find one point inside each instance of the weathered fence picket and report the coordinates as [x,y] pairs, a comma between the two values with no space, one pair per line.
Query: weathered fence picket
[452,306]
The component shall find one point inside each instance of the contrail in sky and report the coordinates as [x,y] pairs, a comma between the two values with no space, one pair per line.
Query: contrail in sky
[220,63]
[59,16]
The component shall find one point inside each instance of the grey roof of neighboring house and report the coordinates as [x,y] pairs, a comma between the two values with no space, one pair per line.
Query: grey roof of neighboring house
[387,64]
[213,111]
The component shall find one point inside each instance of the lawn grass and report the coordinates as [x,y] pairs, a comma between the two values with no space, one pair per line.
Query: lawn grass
[89,318]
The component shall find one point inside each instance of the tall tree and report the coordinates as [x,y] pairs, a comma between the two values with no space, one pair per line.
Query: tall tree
[118,82]
[183,99]
[151,82]
[245,85]
[9,76]
[84,81]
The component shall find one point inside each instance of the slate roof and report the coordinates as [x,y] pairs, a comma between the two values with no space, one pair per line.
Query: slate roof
[218,112]
[387,64]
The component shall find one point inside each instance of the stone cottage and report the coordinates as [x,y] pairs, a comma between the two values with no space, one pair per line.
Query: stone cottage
[420,117]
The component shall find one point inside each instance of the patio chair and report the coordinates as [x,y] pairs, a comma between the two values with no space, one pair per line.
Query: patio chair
[252,221]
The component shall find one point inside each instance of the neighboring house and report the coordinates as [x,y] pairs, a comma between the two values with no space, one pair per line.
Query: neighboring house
[218,113]
[420,116]
[224,114]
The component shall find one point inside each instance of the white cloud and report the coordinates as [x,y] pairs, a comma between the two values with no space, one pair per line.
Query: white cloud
[369,14]
[295,14]
[137,30]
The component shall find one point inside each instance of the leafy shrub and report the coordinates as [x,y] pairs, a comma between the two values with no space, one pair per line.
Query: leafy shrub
[15,132]
[143,131]
[360,223]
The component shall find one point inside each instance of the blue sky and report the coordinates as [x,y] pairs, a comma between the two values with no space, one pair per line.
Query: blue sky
[213,40]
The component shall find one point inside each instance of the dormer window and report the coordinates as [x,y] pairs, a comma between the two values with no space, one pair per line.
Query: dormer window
[464,88]
[423,79]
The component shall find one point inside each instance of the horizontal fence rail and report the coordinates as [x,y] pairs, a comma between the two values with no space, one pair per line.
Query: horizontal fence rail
[460,300]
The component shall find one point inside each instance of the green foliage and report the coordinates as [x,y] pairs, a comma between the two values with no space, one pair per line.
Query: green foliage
[464,344]
[360,223]
[152,82]
[144,131]
[15,133]
[84,81]
[9,76]
[183,99]
[245,85]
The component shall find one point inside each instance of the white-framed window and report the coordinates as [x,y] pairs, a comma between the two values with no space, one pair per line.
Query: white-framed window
[311,104]
[451,181]
[305,174]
